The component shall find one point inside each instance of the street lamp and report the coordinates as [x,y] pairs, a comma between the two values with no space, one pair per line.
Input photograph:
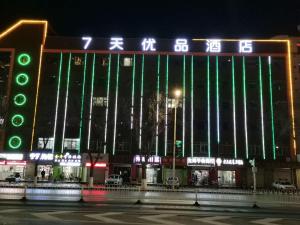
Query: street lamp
[177,94]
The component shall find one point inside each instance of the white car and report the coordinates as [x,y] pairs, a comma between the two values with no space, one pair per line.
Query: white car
[283,186]
[114,179]
[171,180]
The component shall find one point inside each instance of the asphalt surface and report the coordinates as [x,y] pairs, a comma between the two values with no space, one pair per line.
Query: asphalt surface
[49,212]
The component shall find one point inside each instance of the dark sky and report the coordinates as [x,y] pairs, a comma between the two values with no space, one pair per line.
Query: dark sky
[161,19]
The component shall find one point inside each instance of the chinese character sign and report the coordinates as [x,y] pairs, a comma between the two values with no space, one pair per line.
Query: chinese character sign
[213,45]
[116,43]
[148,44]
[245,46]
[181,45]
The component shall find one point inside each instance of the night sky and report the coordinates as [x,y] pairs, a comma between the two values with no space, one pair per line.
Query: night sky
[170,19]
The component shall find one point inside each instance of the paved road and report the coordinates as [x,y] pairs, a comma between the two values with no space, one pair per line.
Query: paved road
[36,213]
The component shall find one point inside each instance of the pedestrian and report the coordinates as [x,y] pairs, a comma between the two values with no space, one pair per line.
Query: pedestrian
[43,174]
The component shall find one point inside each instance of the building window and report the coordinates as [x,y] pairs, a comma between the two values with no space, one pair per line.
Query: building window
[171,103]
[71,143]
[78,61]
[127,61]
[100,101]
[45,143]
[105,61]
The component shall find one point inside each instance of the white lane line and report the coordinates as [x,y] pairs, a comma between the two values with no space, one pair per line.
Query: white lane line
[50,215]
[160,219]
[103,217]
[267,221]
[10,210]
[213,220]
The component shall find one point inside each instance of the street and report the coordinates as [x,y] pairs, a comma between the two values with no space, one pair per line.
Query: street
[33,212]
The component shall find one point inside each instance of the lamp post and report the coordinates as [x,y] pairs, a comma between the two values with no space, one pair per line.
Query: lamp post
[177,94]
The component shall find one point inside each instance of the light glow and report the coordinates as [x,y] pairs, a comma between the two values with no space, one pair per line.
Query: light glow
[20,99]
[208,107]
[183,109]
[181,45]
[91,103]
[141,104]
[57,100]
[17,120]
[116,105]
[261,108]
[132,94]
[192,105]
[148,44]
[217,100]
[157,104]
[14,142]
[245,46]
[66,103]
[233,106]
[24,59]
[98,165]
[87,41]
[245,108]
[166,104]
[213,45]
[22,79]
[16,163]
[116,43]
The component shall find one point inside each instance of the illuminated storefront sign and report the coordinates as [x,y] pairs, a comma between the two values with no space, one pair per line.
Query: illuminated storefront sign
[41,156]
[138,159]
[211,161]
[11,156]
[98,165]
[68,159]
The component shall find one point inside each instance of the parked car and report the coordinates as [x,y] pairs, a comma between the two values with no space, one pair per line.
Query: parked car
[172,180]
[16,177]
[114,179]
[283,186]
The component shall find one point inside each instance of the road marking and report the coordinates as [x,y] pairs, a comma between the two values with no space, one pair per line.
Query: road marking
[159,219]
[267,221]
[213,220]
[103,217]
[10,210]
[49,215]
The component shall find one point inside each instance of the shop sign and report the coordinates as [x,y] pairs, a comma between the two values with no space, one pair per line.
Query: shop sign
[68,159]
[138,159]
[98,165]
[211,161]
[11,156]
[41,156]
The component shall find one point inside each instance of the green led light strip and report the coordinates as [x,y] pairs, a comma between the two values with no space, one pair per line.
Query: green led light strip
[107,100]
[14,142]
[261,108]
[20,99]
[82,101]
[208,108]
[132,94]
[233,106]
[272,107]
[183,109]
[91,103]
[192,106]
[57,99]
[217,99]
[17,120]
[66,103]
[245,108]
[157,105]
[22,79]
[116,105]
[24,59]
[141,104]
[166,104]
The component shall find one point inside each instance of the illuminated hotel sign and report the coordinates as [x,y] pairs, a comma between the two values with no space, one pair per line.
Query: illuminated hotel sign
[67,159]
[211,161]
[138,159]
[41,156]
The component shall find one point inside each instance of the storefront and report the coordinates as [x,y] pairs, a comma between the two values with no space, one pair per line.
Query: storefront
[180,169]
[11,164]
[153,168]
[43,163]
[215,171]
[67,167]
[122,165]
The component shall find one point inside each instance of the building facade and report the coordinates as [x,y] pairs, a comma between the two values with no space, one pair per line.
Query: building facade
[68,96]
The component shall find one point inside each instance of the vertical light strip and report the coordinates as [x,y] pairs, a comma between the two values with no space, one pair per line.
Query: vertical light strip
[37,94]
[91,103]
[166,104]
[183,109]
[271,106]
[208,108]
[107,100]
[217,100]
[291,95]
[132,94]
[233,106]
[245,108]
[192,106]
[157,104]
[141,104]
[116,105]
[82,101]
[57,100]
[66,103]
[261,109]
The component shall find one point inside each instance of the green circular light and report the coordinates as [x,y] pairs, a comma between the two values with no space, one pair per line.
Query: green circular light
[17,120]
[24,59]
[20,99]
[22,79]
[14,142]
